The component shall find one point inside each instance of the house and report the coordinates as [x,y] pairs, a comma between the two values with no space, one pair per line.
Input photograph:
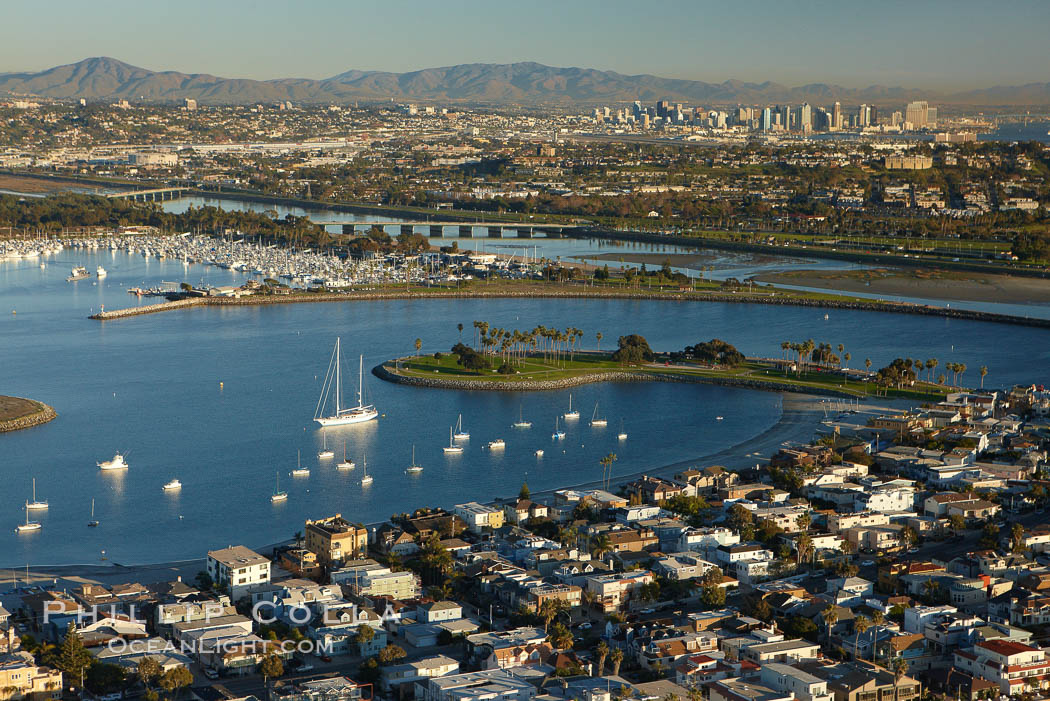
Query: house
[740,690]
[857,681]
[239,569]
[480,518]
[653,490]
[334,540]
[1014,666]
[409,674]
[524,510]
[779,651]
[803,685]
[369,578]
[484,685]
[22,678]
[613,590]
[438,611]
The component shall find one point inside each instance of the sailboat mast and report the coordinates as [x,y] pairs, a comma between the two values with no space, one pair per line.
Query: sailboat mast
[338,381]
[360,380]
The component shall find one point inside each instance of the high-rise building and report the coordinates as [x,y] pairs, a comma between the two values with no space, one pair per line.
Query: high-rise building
[190,104]
[785,117]
[873,115]
[862,116]
[931,117]
[767,119]
[645,120]
[805,118]
[916,114]
[662,106]
[836,116]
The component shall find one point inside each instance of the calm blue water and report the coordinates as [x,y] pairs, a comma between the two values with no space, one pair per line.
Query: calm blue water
[1019,131]
[150,386]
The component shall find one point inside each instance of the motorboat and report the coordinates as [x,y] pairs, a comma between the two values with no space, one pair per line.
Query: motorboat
[172,486]
[100,272]
[498,444]
[117,462]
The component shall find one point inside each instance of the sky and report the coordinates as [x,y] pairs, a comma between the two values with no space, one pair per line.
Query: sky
[934,44]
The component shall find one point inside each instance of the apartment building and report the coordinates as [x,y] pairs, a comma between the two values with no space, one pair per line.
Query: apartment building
[238,568]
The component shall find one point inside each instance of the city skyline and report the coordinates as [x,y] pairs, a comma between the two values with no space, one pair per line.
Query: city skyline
[936,46]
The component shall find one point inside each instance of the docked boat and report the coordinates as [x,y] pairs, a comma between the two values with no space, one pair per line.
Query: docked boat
[332,389]
[414,469]
[28,526]
[366,479]
[117,462]
[173,486]
[571,415]
[558,433]
[345,464]
[325,453]
[100,272]
[521,422]
[78,273]
[278,495]
[498,444]
[299,470]
[35,504]
[597,421]
[92,523]
[459,434]
[452,447]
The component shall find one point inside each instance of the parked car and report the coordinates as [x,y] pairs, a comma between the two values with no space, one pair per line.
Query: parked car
[867,563]
[211,673]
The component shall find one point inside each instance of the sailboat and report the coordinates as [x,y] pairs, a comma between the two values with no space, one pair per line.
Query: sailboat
[597,421]
[278,495]
[332,385]
[558,433]
[92,523]
[452,447]
[367,478]
[414,469]
[299,470]
[345,464]
[324,453]
[35,505]
[571,415]
[622,435]
[459,434]
[28,525]
[521,422]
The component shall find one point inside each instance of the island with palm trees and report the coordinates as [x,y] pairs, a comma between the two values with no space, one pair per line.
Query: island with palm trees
[548,358]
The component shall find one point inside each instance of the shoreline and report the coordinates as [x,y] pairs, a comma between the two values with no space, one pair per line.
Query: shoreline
[42,414]
[800,414]
[730,297]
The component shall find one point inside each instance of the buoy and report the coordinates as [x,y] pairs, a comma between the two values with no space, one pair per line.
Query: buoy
[220,385]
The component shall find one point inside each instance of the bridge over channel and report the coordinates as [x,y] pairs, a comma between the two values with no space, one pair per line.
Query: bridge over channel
[154,195]
[461,229]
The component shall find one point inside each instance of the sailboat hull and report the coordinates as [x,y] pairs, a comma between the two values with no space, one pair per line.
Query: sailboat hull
[354,417]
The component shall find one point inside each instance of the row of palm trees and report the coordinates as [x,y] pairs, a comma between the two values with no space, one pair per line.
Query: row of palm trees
[555,344]
[897,665]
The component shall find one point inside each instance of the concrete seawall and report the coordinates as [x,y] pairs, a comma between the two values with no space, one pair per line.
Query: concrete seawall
[384,373]
[891,307]
[42,416]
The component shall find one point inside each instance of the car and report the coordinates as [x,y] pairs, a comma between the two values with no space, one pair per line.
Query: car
[211,673]
[305,667]
[586,625]
[867,563]
[912,551]
[648,610]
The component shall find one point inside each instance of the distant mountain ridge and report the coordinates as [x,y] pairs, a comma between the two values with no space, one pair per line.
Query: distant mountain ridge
[107,78]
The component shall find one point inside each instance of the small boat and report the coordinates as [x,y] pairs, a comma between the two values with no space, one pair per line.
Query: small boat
[452,447]
[299,470]
[325,453]
[571,415]
[345,464]
[117,462]
[35,505]
[28,526]
[278,495]
[521,422]
[173,485]
[596,420]
[498,444]
[719,418]
[414,469]
[622,435]
[78,273]
[100,272]
[459,434]
[367,478]
[558,433]
[92,523]
[825,317]
[539,453]
[333,387]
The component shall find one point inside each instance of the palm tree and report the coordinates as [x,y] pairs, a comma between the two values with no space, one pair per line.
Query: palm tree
[598,336]
[898,666]
[459,327]
[606,463]
[931,365]
[600,545]
[831,617]
[601,652]
[860,624]
[616,657]
[983,370]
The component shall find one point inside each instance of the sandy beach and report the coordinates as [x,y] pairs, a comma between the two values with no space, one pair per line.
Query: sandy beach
[933,284]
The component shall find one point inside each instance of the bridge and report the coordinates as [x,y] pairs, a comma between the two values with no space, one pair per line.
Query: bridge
[461,229]
[154,195]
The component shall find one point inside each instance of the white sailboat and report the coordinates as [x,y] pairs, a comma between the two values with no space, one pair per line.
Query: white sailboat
[459,434]
[597,421]
[324,453]
[521,422]
[558,433]
[452,447]
[28,526]
[345,464]
[299,470]
[414,469]
[366,479]
[571,415]
[115,463]
[278,495]
[35,505]
[622,435]
[92,523]
[332,386]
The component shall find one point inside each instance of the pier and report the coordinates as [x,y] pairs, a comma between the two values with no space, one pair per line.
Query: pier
[452,229]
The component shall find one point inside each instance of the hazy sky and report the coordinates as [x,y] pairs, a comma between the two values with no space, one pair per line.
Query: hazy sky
[945,45]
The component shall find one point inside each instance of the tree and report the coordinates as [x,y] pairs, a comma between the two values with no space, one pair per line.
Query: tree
[898,666]
[390,653]
[601,545]
[175,679]
[606,463]
[271,667]
[149,670]
[560,637]
[860,624]
[459,327]
[600,653]
[742,521]
[523,493]
[419,345]
[1017,537]
[713,596]
[549,610]
[105,678]
[957,522]
[633,350]
[616,657]
[983,370]
[598,336]
[72,659]
[831,617]
[365,634]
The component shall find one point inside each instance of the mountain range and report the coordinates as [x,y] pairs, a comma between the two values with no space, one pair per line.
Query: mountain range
[104,78]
